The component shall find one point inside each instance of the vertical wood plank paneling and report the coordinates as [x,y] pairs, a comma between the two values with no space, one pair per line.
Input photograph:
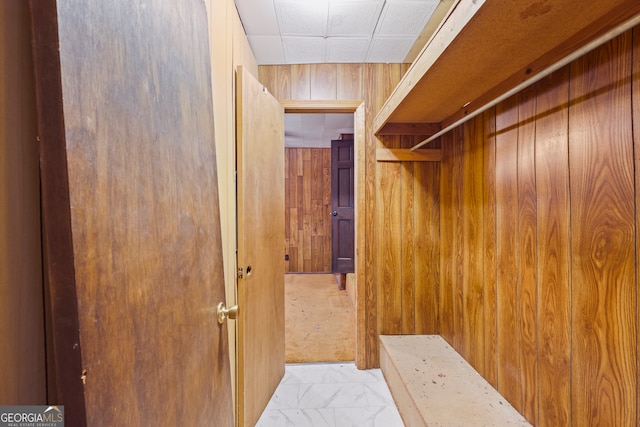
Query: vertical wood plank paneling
[635,108]
[268,76]
[457,182]
[372,83]
[287,211]
[307,190]
[602,214]
[507,251]
[371,296]
[283,82]
[307,211]
[294,259]
[554,275]
[300,82]
[489,248]
[350,81]
[388,250]
[326,182]
[407,249]
[527,243]
[276,80]
[324,83]
[472,169]
[426,219]
[388,220]
[446,293]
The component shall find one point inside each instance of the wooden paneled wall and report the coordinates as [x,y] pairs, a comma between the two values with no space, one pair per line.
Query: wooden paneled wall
[22,331]
[400,274]
[229,48]
[539,242]
[307,205]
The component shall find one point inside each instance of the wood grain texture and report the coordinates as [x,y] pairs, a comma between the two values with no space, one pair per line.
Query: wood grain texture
[372,83]
[130,240]
[389,249]
[324,84]
[490,269]
[602,240]
[300,82]
[422,129]
[560,227]
[406,155]
[507,252]
[261,199]
[22,332]
[554,250]
[349,81]
[472,229]
[635,85]
[532,36]
[277,80]
[527,254]
[427,191]
[408,250]
[447,278]
[358,276]
[313,254]
[457,200]
[368,281]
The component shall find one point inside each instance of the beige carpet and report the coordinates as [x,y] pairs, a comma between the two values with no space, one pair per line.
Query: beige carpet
[319,320]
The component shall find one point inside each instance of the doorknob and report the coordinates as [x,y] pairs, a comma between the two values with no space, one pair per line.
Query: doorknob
[334,213]
[224,313]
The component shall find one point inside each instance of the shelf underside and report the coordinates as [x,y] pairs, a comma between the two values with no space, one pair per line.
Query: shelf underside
[485,48]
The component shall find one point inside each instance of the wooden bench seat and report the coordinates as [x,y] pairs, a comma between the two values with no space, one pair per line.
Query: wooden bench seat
[434,386]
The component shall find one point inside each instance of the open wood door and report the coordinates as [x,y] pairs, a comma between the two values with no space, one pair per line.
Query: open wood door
[260,166]
[130,213]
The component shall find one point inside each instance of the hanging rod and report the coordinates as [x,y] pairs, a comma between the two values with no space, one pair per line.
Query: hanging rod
[544,73]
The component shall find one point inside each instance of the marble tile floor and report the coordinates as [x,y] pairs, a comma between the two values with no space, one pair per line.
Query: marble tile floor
[331,395]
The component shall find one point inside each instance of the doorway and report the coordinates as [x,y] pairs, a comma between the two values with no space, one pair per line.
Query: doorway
[320,318]
[310,191]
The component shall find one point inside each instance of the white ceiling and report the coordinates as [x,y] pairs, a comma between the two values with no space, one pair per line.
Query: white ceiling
[315,130]
[336,31]
[343,31]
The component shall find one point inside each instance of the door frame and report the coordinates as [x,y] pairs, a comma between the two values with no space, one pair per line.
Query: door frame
[357,108]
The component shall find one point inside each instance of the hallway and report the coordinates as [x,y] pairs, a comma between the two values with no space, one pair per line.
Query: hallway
[331,395]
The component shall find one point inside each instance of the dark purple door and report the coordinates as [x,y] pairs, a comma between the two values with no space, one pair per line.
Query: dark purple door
[342,206]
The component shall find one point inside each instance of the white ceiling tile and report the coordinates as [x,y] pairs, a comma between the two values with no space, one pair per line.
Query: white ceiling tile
[355,18]
[404,17]
[267,49]
[339,120]
[312,121]
[347,49]
[307,18]
[258,17]
[293,122]
[388,49]
[316,142]
[293,141]
[304,50]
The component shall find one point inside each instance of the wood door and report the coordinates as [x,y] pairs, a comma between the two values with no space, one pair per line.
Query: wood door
[342,206]
[130,212]
[260,165]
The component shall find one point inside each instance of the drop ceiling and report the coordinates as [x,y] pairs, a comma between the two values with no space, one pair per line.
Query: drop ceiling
[315,130]
[335,31]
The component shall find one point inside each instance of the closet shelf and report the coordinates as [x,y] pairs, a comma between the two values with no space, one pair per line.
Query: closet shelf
[486,48]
